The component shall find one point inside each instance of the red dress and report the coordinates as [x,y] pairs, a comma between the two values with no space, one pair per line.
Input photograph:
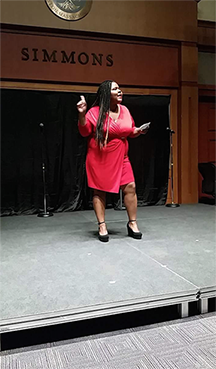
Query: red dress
[108,168]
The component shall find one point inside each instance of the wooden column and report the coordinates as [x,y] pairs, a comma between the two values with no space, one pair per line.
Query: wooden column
[188,130]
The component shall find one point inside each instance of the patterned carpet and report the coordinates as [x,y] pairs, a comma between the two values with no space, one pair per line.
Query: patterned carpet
[180,344]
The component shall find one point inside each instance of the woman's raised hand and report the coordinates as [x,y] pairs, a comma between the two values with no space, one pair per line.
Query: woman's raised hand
[81,105]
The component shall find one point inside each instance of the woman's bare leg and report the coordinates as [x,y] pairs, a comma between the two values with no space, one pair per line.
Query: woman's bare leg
[99,204]
[130,201]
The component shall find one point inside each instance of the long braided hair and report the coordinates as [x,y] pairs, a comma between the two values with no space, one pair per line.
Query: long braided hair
[103,101]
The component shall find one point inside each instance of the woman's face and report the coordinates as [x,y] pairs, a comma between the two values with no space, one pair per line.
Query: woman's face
[116,94]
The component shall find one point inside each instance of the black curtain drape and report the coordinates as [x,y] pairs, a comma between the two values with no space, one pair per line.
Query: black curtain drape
[149,154]
[65,151]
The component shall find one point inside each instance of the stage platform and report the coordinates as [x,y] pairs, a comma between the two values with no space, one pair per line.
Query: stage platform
[54,270]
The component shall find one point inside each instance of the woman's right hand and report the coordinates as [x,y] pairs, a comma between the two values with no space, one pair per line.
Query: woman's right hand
[82,106]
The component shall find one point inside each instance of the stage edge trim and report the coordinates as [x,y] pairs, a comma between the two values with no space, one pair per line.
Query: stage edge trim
[69,316]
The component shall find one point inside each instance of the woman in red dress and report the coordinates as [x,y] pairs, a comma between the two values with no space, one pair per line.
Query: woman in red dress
[107,125]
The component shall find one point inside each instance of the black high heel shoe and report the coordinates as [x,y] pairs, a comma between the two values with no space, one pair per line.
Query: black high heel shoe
[102,237]
[131,233]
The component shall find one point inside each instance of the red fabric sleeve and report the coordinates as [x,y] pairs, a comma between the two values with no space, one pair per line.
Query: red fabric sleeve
[133,127]
[85,130]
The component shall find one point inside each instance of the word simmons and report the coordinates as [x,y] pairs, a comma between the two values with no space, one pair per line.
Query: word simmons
[63,57]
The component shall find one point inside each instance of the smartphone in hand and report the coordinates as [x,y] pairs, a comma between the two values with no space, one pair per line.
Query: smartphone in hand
[145,126]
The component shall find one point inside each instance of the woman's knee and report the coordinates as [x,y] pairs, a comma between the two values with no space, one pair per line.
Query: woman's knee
[99,194]
[129,188]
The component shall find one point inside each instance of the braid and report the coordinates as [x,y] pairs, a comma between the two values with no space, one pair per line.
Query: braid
[103,101]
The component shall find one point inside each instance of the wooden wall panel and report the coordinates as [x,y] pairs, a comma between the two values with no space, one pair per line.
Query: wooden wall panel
[207,90]
[206,35]
[212,117]
[188,129]
[188,175]
[87,60]
[212,147]
[172,20]
[189,62]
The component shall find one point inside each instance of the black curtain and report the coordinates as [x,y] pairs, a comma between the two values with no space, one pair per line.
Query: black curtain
[65,150]
[149,154]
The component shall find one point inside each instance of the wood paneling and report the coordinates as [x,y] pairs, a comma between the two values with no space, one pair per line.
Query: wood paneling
[189,63]
[173,20]
[206,36]
[212,121]
[212,148]
[188,175]
[207,90]
[87,60]
[188,129]
[46,86]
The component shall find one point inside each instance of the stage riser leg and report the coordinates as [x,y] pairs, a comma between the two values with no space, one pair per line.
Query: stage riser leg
[203,306]
[183,310]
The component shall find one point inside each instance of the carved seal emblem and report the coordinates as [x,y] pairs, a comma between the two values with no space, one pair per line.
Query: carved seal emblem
[69,9]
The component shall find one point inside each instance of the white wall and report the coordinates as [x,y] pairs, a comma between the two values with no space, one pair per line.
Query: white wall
[207,10]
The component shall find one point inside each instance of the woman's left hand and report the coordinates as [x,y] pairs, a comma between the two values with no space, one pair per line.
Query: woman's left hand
[138,131]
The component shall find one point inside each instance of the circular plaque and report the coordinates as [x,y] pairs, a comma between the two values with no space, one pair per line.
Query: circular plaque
[69,9]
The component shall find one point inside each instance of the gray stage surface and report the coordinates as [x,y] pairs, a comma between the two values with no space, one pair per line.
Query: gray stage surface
[55,270]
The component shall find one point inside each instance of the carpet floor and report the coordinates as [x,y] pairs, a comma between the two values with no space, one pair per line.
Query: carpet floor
[181,344]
